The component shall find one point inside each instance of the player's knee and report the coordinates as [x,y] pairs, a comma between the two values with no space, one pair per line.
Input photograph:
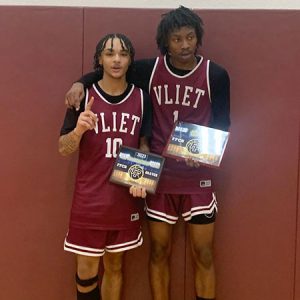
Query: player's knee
[87,269]
[204,257]
[113,266]
[159,252]
[113,263]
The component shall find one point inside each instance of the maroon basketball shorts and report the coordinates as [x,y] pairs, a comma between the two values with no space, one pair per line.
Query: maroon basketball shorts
[168,207]
[91,242]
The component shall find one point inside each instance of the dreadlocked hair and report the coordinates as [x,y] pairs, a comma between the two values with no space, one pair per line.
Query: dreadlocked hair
[125,43]
[174,20]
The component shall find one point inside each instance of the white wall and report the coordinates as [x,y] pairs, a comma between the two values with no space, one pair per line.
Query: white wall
[208,4]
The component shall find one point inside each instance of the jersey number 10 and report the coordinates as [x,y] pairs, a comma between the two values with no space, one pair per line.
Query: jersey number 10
[112,147]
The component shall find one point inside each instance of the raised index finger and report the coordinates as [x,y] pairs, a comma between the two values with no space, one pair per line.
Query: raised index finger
[89,104]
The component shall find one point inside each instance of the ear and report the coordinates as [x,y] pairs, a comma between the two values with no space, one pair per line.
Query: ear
[167,48]
[100,60]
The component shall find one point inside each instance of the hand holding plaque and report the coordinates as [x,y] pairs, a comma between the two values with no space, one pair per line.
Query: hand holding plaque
[135,167]
[203,144]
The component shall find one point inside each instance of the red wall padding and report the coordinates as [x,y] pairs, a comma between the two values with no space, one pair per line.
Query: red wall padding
[257,234]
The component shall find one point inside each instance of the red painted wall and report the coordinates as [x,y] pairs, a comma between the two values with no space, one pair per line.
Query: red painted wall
[257,234]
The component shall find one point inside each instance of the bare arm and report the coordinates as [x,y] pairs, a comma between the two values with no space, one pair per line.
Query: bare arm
[69,143]
[144,144]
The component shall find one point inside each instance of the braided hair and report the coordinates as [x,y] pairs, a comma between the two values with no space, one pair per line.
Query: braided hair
[174,20]
[125,44]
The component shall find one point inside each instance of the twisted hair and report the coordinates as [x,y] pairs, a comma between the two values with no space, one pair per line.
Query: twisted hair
[174,20]
[125,43]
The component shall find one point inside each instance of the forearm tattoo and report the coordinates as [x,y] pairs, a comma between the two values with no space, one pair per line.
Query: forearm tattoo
[69,143]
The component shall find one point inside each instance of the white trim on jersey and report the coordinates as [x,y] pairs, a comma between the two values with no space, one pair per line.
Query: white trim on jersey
[86,98]
[186,75]
[122,101]
[207,79]
[142,105]
[152,74]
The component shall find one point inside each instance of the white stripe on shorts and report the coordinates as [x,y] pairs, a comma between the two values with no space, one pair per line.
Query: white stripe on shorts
[83,250]
[161,216]
[126,246]
[200,210]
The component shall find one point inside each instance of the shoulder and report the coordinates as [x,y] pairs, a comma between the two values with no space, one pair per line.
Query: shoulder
[144,63]
[141,72]
[217,72]
[147,104]
[147,99]
[144,94]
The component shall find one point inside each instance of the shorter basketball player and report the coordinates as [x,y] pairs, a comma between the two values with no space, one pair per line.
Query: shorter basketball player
[105,218]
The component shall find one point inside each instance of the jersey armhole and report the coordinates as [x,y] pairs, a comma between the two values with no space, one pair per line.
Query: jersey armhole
[142,104]
[152,74]
[86,98]
[208,81]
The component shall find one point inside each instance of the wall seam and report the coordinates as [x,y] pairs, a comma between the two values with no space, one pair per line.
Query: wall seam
[297,219]
[83,29]
[185,262]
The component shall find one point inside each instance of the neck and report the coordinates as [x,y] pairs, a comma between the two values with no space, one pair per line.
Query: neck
[113,86]
[189,65]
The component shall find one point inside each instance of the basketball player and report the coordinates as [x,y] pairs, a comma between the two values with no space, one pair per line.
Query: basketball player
[187,87]
[105,218]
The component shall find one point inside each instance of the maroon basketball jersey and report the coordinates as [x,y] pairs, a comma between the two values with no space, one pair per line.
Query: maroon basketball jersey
[184,98]
[97,203]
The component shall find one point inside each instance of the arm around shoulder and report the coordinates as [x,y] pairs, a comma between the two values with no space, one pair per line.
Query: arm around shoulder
[220,97]
[76,93]
[146,129]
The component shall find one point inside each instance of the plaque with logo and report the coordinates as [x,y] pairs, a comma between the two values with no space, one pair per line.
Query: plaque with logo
[203,144]
[135,167]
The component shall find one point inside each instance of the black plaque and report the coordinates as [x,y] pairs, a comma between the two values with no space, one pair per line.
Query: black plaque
[203,144]
[135,167]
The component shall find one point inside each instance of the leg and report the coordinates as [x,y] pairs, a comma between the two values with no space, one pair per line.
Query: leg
[161,238]
[87,283]
[201,237]
[112,277]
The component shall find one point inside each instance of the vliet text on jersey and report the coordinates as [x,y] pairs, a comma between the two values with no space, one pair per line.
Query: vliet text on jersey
[117,122]
[184,95]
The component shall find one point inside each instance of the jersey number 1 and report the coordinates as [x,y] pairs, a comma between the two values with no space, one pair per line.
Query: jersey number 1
[175,114]
[112,147]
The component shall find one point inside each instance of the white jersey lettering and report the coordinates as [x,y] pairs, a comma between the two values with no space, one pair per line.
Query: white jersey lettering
[119,123]
[104,128]
[187,91]
[200,93]
[123,122]
[158,93]
[184,95]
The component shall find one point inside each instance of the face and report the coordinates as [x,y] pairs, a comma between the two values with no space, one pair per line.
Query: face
[182,45]
[115,59]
